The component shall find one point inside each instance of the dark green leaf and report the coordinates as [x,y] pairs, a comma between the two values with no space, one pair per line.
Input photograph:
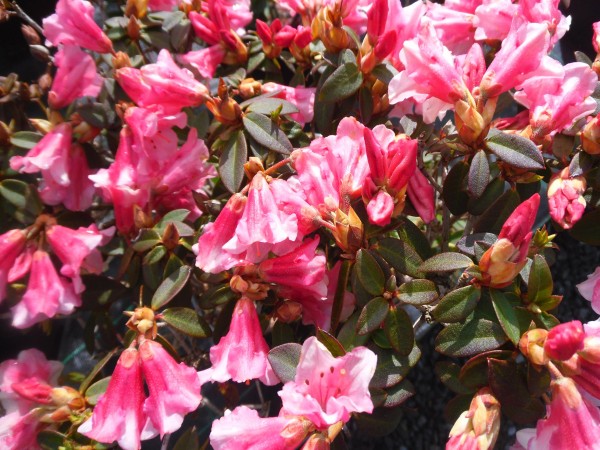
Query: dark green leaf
[391,367]
[93,393]
[22,196]
[493,218]
[515,150]
[400,255]
[99,115]
[539,284]
[411,234]
[25,139]
[477,336]
[457,305]
[369,273]
[232,160]
[333,345]
[189,440]
[474,373]
[453,193]
[187,321]
[398,394]
[51,440]
[372,315]
[341,84]
[146,239]
[492,192]
[399,330]
[282,333]
[348,336]
[170,287]
[172,20]
[418,292]
[514,321]
[85,384]
[446,262]
[380,422]
[268,105]
[588,228]
[266,132]
[285,359]
[448,373]
[155,255]
[479,174]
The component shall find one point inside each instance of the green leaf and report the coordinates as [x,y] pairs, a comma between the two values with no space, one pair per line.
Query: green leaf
[372,315]
[514,321]
[448,373]
[216,296]
[232,160]
[172,20]
[22,196]
[492,192]
[382,421]
[267,133]
[539,284]
[189,440]
[457,305]
[418,292]
[268,105]
[333,345]
[479,174]
[474,373]
[400,255]
[25,139]
[588,228]
[93,393]
[177,215]
[146,239]
[284,360]
[170,287]
[398,394]
[51,440]
[155,255]
[341,84]
[391,367]
[369,272]
[399,330]
[187,321]
[85,384]
[348,336]
[495,215]
[446,262]
[99,115]
[411,234]
[477,336]
[453,194]
[515,150]
[282,333]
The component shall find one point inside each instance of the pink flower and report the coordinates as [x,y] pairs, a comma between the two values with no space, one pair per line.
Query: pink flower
[12,243]
[493,19]
[205,61]
[19,431]
[596,38]
[241,354]
[572,422]
[564,340]
[75,77]
[47,294]
[422,196]
[77,249]
[380,208]
[326,390]
[119,415]
[210,256]
[521,54]
[590,289]
[162,85]
[74,24]
[302,97]
[454,28]
[546,12]
[565,198]
[174,388]
[163,5]
[243,429]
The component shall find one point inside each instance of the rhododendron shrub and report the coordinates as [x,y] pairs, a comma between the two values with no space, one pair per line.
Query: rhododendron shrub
[222,197]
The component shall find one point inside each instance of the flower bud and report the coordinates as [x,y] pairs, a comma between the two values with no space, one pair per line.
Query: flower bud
[289,311]
[317,441]
[564,340]
[590,136]
[142,320]
[120,60]
[565,198]
[479,426]
[30,35]
[531,345]
[170,237]
[133,29]
[591,350]
[249,87]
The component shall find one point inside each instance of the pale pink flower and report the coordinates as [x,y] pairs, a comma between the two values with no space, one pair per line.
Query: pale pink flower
[596,38]
[546,12]
[380,208]
[454,28]
[47,294]
[493,19]
[590,289]
[77,249]
[564,340]
[243,429]
[290,198]
[210,256]
[467,6]
[326,390]
[301,97]
[241,354]
[571,422]
[75,77]
[74,24]
[263,228]
[521,54]
[174,388]
[406,22]
[205,61]
[119,414]
[557,96]
[12,244]
[422,196]
[162,85]
[565,198]
[19,431]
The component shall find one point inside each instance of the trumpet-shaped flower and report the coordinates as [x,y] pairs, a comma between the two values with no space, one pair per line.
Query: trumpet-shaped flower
[12,244]
[590,289]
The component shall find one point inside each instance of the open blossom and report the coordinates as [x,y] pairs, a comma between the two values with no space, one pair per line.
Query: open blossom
[326,390]
[493,19]
[12,244]
[241,354]
[565,198]
[205,61]
[73,23]
[590,289]
[75,77]
[503,261]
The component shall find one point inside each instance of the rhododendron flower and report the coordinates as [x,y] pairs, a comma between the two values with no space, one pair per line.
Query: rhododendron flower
[162,84]
[493,19]
[74,24]
[47,294]
[75,77]
[564,340]
[243,429]
[241,354]
[119,414]
[326,390]
[503,261]
[454,28]
[302,97]
[590,289]
[205,61]
[163,5]
[422,196]
[572,422]
[12,244]
[174,388]
[547,13]
[275,37]
[565,198]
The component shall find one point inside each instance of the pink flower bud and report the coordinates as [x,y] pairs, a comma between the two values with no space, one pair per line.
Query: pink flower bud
[380,208]
[565,198]
[564,340]
[376,20]
[12,243]
[477,428]
[422,196]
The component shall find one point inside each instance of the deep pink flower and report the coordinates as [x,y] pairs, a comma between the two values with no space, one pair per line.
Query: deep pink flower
[73,23]
[12,243]
[119,414]
[302,97]
[565,198]
[241,354]
[326,390]
[163,5]
[174,388]
[47,294]
[19,431]
[422,196]
[243,429]
[564,340]
[75,77]
[380,208]
[590,289]
[596,38]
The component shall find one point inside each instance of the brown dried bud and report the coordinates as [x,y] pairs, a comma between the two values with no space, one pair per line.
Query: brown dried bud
[170,237]
[133,29]
[30,35]
[532,346]
[143,321]
[288,311]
